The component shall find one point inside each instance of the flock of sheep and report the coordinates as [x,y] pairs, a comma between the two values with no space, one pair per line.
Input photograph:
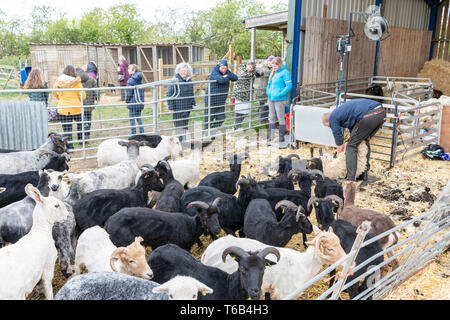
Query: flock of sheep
[145,195]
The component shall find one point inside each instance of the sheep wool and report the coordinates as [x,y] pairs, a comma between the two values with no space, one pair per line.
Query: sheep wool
[336,168]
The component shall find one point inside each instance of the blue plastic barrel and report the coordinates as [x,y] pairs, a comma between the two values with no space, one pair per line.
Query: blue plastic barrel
[24,74]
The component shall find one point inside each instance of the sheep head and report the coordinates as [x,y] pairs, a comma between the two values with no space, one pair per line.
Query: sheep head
[131,260]
[55,179]
[327,245]
[251,267]
[208,215]
[150,179]
[325,208]
[183,288]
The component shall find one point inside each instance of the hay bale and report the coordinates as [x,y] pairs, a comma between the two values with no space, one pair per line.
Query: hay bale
[438,71]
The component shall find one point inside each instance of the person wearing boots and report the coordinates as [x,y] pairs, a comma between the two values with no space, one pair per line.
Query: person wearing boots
[88,103]
[363,117]
[183,99]
[278,86]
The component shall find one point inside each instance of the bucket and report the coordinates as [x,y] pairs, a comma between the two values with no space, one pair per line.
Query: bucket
[288,121]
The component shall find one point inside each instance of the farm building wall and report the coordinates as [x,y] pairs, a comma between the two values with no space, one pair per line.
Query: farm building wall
[53,58]
[402,54]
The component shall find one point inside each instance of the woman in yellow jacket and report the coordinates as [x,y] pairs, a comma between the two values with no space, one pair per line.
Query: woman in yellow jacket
[69,102]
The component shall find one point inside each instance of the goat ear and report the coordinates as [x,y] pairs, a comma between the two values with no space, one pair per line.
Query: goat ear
[138,239]
[270,263]
[33,193]
[2,189]
[40,172]
[122,143]
[330,229]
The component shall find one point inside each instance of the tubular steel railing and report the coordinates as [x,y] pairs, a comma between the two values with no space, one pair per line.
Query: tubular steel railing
[111,119]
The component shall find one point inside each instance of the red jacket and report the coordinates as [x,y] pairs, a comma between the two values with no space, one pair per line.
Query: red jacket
[123,69]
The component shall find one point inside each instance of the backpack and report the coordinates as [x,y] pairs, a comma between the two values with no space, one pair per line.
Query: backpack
[434,152]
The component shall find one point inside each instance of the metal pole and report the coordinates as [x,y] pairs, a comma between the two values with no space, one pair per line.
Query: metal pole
[155,110]
[251,104]
[362,230]
[82,125]
[348,54]
[253,45]
[209,109]
[296,47]
[394,136]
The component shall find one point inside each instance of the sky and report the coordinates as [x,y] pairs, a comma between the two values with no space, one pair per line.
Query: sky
[75,8]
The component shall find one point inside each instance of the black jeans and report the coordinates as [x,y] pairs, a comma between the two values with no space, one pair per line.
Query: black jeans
[66,122]
[181,123]
[263,112]
[363,130]
[217,117]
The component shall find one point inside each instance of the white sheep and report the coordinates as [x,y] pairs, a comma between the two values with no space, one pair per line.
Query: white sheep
[32,258]
[183,288]
[58,188]
[96,253]
[119,176]
[109,153]
[292,270]
[336,168]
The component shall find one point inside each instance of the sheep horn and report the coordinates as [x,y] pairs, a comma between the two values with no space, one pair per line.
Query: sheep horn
[200,204]
[236,250]
[47,152]
[299,212]
[316,171]
[114,254]
[310,201]
[242,180]
[216,202]
[339,201]
[293,155]
[263,253]
[285,203]
[165,164]
[295,171]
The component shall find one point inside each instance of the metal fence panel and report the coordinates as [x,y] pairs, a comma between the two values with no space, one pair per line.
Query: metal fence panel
[23,125]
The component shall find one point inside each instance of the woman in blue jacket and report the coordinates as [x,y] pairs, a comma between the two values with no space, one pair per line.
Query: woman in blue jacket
[134,98]
[183,99]
[277,89]
[219,92]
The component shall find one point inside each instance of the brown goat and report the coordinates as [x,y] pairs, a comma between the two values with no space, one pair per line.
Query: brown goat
[131,260]
[380,222]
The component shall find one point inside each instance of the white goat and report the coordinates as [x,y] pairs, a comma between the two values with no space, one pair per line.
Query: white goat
[32,258]
[58,188]
[96,253]
[109,154]
[292,270]
[183,288]
[119,176]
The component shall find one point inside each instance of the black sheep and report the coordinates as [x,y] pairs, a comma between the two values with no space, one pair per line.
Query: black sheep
[260,222]
[326,186]
[169,199]
[225,181]
[152,139]
[96,207]
[159,228]
[232,209]
[170,260]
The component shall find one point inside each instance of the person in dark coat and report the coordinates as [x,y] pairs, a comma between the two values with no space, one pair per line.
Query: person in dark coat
[89,102]
[91,70]
[363,117]
[183,99]
[123,76]
[134,99]
[219,92]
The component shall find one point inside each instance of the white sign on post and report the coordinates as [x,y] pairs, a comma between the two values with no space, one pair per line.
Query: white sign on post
[309,127]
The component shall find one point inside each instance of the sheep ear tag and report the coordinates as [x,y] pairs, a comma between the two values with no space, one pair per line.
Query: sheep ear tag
[203,292]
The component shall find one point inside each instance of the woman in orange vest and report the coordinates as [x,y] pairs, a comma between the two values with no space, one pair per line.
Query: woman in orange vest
[69,102]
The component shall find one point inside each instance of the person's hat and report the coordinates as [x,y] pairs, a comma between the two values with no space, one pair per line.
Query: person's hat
[223,63]
[270,58]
